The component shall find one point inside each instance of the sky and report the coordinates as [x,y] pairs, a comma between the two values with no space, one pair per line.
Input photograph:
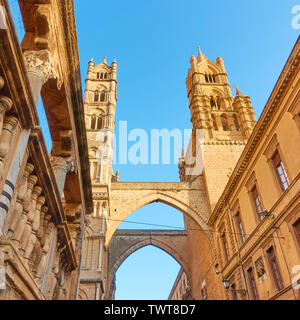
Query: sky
[152,42]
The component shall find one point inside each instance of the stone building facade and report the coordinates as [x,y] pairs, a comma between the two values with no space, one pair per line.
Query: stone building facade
[44,197]
[60,211]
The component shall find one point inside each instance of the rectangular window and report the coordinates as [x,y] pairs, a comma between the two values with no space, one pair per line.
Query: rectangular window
[296,226]
[260,268]
[274,267]
[280,171]
[252,284]
[241,233]
[257,201]
[225,246]
[96,96]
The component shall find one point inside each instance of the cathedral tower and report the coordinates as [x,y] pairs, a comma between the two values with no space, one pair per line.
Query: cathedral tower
[99,107]
[225,122]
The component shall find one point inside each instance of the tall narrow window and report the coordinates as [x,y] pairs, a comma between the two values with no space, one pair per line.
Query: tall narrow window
[274,268]
[252,283]
[296,226]
[236,122]
[280,171]
[212,103]
[93,121]
[102,96]
[96,96]
[239,225]
[214,122]
[260,268]
[225,246]
[224,122]
[99,123]
[257,201]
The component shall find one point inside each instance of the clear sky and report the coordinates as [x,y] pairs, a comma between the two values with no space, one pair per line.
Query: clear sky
[153,42]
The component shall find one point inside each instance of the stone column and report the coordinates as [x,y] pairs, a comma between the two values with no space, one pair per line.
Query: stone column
[20,224]
[61,166]
[99,268]
[9,126]
[48,228]
[5,105]
[26,235]
[34,221]
[21,194]
[40,68]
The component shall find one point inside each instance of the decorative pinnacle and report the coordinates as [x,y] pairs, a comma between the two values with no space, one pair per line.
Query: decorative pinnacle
[201,56]
[238,92]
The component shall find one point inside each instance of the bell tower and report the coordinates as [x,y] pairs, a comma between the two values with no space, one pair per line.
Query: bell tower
[100,106]
[225,122]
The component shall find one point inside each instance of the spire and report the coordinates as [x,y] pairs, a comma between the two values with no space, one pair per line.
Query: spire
[182,158]
[104,60]
[91,62]
[201,56]
[193,60]
[238,92]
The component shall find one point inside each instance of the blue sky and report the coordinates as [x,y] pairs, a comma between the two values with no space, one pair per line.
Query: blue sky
[152,42]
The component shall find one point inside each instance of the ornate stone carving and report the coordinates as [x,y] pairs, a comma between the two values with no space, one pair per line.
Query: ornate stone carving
[40,64]
[61,166]
[67,164]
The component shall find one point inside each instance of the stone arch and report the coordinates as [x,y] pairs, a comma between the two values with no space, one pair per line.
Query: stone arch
[175,252]
[208,67]
[121,209]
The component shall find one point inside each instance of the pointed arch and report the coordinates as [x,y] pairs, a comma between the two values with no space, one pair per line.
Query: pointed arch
[121,209]
[175,252]
[225,122]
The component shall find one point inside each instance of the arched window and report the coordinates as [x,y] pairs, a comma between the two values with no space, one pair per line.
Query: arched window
[236,122]
[102,96]
[212,103]
[224,122]
[213,116]
[210,78]
[100,122]
[96,96]
[93,121]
